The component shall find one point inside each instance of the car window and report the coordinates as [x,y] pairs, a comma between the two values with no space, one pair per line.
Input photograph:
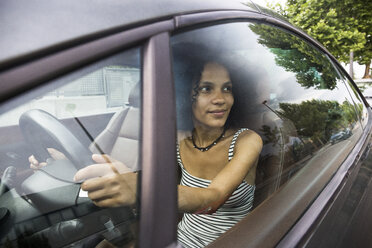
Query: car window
[50,135]
[284,89]
[359,105]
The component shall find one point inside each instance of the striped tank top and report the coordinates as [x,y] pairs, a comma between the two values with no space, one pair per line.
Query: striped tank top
[198,230]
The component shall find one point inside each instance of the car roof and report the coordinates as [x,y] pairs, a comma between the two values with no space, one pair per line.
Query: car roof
[28,26]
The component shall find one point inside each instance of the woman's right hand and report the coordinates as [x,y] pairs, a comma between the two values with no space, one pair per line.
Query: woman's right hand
[109,182]
[54,154]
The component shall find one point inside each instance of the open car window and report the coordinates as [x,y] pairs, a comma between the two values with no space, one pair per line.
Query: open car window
[95,109]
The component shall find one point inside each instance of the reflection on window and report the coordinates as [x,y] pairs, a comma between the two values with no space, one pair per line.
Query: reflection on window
[92,110]
[101,91]
[311,100]
[359,105]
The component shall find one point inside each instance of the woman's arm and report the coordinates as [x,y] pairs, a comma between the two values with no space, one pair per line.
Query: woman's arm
[207,200]
[110,183]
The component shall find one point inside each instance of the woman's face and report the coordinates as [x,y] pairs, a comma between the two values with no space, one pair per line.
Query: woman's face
[214,100]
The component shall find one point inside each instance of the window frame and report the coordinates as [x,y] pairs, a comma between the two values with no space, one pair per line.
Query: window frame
[159,196]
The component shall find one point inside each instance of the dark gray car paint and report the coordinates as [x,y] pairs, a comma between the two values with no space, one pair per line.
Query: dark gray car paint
[159,191]
[27,27]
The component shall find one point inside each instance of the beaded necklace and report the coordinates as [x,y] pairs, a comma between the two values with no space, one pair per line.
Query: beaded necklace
[204,149]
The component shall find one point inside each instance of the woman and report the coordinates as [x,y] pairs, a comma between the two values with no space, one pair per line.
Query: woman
[218,164]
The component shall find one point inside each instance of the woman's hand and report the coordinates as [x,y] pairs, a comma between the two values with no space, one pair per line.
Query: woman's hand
[54,154]
[109,182]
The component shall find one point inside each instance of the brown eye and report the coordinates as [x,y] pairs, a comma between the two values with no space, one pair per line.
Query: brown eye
[204,89]
[227,89]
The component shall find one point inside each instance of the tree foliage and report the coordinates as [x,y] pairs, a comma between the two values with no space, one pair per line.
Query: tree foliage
[361,10]
[318,119]
[312,69]
[340,25]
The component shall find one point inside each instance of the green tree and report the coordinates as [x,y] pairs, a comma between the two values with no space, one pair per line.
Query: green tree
[340,25]
[350,112]
[312,69]
[318,119]
[361,10]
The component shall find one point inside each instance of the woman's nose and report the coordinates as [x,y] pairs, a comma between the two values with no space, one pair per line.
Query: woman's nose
[218,98]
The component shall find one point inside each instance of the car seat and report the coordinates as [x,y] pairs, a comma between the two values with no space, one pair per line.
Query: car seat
[275,156]
[120,137]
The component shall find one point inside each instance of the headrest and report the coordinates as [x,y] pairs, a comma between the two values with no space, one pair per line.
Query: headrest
[134,97]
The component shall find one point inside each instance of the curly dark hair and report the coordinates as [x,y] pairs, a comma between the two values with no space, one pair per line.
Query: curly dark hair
[188,66]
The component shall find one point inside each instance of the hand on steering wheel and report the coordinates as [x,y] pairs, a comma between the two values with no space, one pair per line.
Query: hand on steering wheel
[41,130]
[54,154]
[109,182]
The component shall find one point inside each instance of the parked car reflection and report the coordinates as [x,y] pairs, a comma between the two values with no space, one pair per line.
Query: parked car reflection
[341,135]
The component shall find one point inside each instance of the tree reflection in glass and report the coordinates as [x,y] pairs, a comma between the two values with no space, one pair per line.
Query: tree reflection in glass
[291,53]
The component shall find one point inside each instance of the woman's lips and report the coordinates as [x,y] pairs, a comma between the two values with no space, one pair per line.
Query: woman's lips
[217,113]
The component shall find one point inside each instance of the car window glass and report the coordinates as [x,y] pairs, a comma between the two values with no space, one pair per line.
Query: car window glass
[284,89]
[94,110]
[359,105]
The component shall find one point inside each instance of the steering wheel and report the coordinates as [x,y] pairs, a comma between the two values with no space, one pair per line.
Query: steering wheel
[42,130]
[51,189]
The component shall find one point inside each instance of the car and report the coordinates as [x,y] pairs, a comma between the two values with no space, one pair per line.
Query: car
[342,135]
[85,77]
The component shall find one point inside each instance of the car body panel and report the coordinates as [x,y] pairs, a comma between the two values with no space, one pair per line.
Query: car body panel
[160,156]
[69,22]
[344,221]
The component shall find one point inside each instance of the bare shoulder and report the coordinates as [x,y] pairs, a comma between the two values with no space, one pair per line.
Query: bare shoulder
[249,139]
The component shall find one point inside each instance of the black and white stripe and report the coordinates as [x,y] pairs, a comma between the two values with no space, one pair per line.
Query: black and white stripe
[198,230]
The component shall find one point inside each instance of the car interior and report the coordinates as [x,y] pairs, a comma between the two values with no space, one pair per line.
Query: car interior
[46,206]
